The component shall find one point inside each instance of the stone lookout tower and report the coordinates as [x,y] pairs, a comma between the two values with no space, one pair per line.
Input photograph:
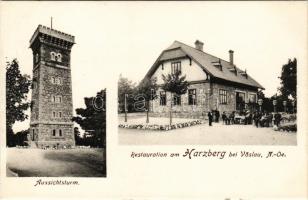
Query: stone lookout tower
[51,106]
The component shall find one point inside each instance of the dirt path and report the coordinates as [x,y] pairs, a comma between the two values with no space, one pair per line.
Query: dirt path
[218,134]
[56,163]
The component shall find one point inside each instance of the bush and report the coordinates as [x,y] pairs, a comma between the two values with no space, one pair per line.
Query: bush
[161,127]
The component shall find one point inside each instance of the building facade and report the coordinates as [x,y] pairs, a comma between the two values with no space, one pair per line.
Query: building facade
[51,106]
[214,84]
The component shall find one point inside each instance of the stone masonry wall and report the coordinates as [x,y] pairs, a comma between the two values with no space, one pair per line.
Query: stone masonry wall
[43,121]
[207,99]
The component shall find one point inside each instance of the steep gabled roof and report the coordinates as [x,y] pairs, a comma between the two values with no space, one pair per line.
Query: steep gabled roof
[207,62]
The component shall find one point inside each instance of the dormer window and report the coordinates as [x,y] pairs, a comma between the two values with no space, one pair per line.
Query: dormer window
[52,56]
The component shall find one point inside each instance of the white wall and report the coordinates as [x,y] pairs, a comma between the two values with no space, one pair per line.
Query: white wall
[193,72]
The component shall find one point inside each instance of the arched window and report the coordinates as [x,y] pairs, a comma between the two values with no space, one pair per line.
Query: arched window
[60,114]
[60,133]
[54,132]
[59,57]
[52,55]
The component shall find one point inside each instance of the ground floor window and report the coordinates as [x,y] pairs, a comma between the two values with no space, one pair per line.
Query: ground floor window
[162,98]
[252,98]
[176,99]
[54,133]
[222,96]
[192,97]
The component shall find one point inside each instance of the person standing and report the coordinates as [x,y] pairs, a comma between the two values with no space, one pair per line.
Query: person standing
[210,116]
[223,116]
[217,116]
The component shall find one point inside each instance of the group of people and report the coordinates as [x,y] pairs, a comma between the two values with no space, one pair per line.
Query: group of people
[266,119]
[262,119]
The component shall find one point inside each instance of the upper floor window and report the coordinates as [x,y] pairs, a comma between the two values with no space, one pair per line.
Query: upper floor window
[52,56]
[60,133]
[57,114]
[54,132]
[56,56]
[59,57]
[222,96]
[192,97]
[57,99]
[56,80]
[176,67]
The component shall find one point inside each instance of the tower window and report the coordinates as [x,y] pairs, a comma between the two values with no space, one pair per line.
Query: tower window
[56,99]
[56,80]
[54,114]
[60,133]
[54,132]
[53,56]
[59,57]
[60,114]
[36,58]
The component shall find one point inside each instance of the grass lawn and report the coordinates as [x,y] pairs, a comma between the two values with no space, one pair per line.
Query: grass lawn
[56,163]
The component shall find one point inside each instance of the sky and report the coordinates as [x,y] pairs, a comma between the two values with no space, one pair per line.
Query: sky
[125,38]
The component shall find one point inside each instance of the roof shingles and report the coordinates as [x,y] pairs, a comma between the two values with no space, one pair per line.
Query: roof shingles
[207,62]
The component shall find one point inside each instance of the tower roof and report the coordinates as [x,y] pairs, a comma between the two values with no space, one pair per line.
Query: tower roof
[52,33]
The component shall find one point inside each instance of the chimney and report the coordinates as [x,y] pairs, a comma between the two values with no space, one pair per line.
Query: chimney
[231,57]
[199,45]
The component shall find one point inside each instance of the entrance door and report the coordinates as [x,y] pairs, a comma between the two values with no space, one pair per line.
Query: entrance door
[240,101]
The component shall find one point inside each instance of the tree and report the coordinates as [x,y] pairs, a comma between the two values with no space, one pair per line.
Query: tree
[125,86]
[92,119]
[17,89]
[175,84]
[146,89]
[288,79]
[21,137]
